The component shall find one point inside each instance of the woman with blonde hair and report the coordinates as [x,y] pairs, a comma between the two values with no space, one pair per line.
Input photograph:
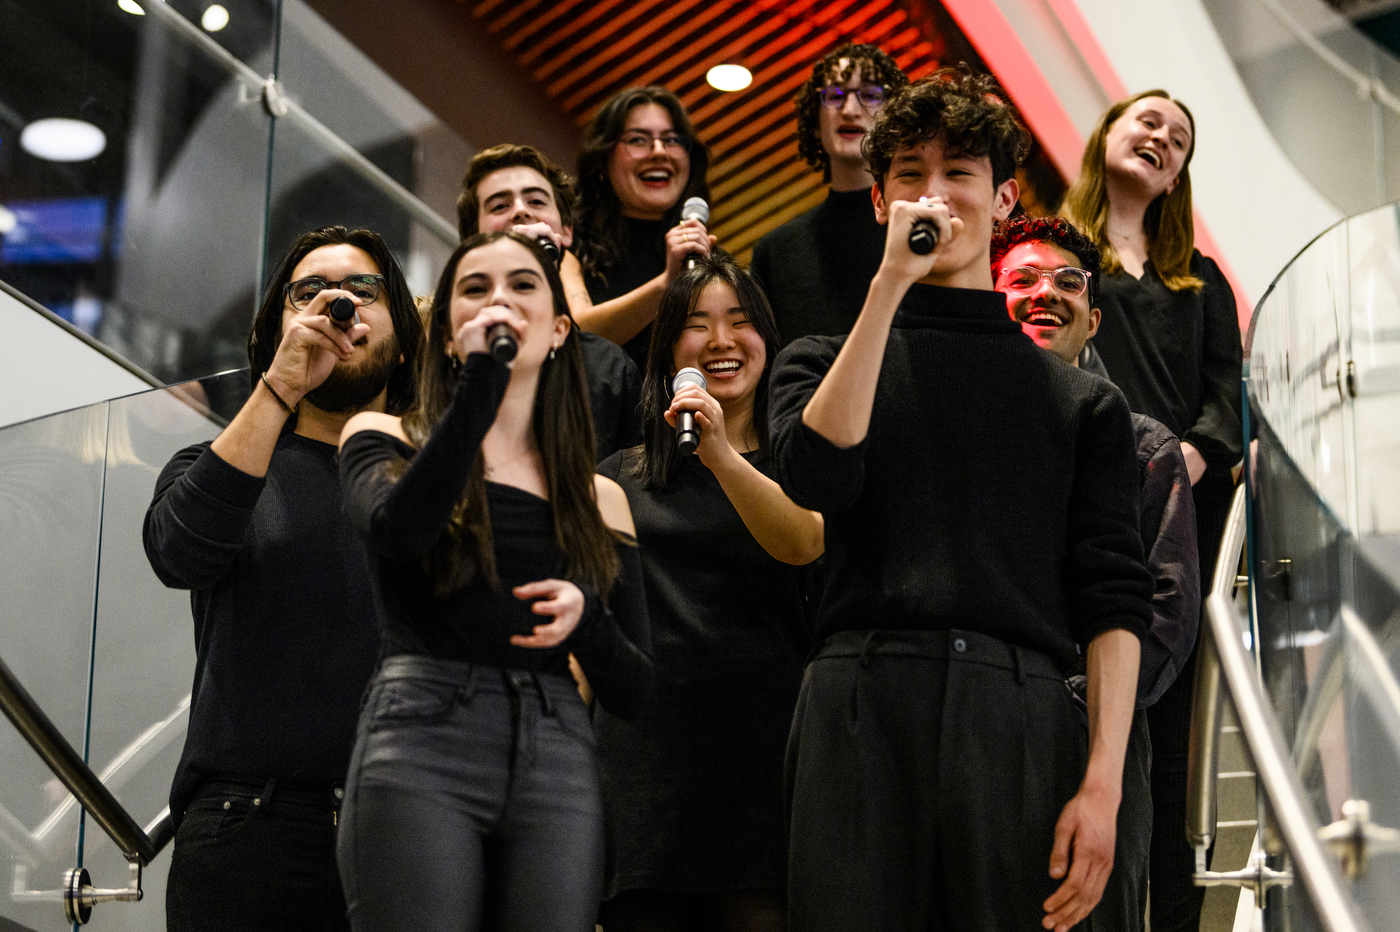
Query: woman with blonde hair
[1170,339]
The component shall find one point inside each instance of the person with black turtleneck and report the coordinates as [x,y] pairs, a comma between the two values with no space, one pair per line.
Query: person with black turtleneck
[980,504]
[816,268]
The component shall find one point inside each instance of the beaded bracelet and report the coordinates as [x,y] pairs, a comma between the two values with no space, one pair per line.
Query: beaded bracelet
[288,408]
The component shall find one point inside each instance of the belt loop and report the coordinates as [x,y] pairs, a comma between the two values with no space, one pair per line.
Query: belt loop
[1016,659]
[546,705]
[263,803]
[867,649]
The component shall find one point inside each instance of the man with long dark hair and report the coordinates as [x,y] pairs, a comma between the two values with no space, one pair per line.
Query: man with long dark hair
[980,500]
[285,630]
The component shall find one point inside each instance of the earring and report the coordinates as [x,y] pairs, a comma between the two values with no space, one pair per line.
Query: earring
[453,362]
[552,351]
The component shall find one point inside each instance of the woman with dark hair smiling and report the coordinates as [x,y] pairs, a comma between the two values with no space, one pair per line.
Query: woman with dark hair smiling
[693,790]
[472,798]
[1170,339]
[641,161]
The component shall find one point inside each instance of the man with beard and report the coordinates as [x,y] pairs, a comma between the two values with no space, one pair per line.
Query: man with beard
[285,629]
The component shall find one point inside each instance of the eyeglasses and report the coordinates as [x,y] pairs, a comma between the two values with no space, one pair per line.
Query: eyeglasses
[870,96]
[1067,280]
[366,287]
[640,143]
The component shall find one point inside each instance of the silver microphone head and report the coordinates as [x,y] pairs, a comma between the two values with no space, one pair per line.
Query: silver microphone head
[696,208]
[688,376]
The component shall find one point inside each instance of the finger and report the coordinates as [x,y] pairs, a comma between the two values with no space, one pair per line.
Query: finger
[1059,852]
[540,588]
[333,342]
[555,606]
[542,635]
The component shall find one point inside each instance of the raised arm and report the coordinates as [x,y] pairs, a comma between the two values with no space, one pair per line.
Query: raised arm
[198,518]
[623,317]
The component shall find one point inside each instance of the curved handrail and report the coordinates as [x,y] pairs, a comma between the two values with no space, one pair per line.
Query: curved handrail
[1366,86]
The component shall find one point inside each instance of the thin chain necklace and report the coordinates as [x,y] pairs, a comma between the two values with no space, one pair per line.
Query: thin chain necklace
[491,470]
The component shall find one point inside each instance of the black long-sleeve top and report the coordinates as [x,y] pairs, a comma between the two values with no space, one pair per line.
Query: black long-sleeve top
[1177,356]
[402,519]
[643,258]
[284,619]
[614,394]
[816,268]
[996,490]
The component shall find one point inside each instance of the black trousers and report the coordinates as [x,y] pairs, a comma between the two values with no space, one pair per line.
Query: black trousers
[926,773]
[472,802]
[246,860]
[1124,902]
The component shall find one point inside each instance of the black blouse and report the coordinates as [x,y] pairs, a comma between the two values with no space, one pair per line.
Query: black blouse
[643,258]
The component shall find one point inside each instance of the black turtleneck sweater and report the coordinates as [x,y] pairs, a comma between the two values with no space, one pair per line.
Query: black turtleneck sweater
[816,269]
[643,258]
[996,490]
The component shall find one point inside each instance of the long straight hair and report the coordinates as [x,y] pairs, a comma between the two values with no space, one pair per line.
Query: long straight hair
[1171,234]
[660,459]
[601,232]
[563,427]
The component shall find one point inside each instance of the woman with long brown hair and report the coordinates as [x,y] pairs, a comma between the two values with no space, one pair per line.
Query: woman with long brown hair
[472,797]
[1170,339]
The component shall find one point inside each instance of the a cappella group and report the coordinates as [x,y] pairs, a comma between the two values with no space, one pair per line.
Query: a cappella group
[617,584]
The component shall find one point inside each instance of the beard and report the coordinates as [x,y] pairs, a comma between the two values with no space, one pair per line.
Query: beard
[350,388]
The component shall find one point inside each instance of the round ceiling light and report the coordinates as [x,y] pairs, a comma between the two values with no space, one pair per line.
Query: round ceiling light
[214,18]
[729,77]
[131,6]
[60,140]
[8,220]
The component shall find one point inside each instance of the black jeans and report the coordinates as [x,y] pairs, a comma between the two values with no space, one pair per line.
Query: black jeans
[927,770]
[472,802]
[247,861]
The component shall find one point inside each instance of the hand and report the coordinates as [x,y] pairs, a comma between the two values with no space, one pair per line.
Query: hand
[311,346]
[899,259]
[709,417]
[539,231]
[471,336]
[683,240]
[1195,462]
[555,597]
[1088,826]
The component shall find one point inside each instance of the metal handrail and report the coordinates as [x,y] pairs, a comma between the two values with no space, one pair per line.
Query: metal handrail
[1294,821]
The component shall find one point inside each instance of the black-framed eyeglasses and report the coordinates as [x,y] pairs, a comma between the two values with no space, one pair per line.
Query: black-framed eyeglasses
[869,95]
[368,288]
[639,143]
[1067,280]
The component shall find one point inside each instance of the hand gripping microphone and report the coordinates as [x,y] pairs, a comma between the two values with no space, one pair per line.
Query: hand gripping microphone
[687,434]
[343,313]
[695,208]
[551,249]
[500,342]
[923,236]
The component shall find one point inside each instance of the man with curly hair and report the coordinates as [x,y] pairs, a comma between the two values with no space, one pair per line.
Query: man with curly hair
[816,268]
[980,499]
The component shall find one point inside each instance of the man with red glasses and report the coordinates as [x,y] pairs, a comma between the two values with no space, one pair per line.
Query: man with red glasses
[816,268]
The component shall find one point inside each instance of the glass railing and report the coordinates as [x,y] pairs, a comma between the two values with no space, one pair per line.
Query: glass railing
[222,139]
[106,651]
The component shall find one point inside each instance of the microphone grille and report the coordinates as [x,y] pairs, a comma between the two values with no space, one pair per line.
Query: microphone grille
[697,208]
[688,376]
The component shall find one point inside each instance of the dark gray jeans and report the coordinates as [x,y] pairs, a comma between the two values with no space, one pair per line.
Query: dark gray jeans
[472,802]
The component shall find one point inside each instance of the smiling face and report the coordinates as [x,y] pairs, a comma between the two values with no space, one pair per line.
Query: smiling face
[1148,146]
[1055,322]
[843,129]
[506,274]
[650,182]
[929,169]
[516,196]
[721,341]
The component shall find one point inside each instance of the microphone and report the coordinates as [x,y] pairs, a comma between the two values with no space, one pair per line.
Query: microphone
[500,340]
[551,249]
[923,238]
[343,313]
[695,208]
[687,434]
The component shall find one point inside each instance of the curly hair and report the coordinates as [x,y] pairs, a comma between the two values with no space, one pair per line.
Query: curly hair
[969,112]
[1057,232]
[876,66]
[489,161]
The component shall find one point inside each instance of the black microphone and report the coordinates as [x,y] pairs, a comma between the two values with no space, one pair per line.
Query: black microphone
[343,313]
[500,340]
[687,434]
[551,249]
[923,238]
[695,208]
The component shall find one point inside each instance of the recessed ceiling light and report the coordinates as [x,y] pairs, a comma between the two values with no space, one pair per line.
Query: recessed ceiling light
[60,140]
[729,77]
[8,220]
[131,6]
[214,18]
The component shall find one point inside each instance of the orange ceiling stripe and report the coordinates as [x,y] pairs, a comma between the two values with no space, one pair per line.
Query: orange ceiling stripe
[598,35]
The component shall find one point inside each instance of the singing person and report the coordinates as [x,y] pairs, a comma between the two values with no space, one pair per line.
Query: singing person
[472,798]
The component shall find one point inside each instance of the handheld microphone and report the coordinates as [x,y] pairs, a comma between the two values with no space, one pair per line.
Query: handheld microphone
[551,249]
[343,313]
[500,340]
[687,434]
[695,208]
[923,236]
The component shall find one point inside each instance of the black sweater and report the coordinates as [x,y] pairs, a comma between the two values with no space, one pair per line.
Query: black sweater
[643,258]
[996,490]
[284,620]
[816,269]
[403,518]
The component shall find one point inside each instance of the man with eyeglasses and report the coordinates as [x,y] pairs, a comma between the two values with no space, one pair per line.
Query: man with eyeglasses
[817,267]
[1048,270]
[286,633]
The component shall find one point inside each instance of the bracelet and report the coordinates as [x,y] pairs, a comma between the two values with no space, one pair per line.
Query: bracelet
[286,407]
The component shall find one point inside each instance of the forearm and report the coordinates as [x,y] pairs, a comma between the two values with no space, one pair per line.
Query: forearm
[1112,675]
[840,407]
[575,291]
[624,317]
[247,442]
[788,532]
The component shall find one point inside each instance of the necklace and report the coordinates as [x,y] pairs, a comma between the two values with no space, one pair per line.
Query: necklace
[491,470]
